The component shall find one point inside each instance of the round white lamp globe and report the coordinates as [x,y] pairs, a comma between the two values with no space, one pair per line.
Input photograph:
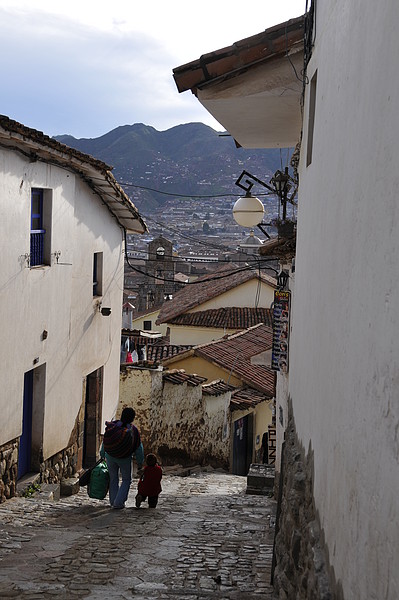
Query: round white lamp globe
[248,211]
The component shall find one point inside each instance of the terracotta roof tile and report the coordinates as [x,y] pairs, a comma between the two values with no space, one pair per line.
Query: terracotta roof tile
[234,59]
[96,174]
[246,398]
[225,318]
[280,247]
[179,376]
[208,287]
[159,353]
[233,353]
[216,388]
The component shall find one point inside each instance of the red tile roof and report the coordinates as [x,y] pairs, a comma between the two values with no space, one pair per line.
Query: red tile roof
[95,173]
[233,353]
[225,318]
[280,247]
[208,287]
[179,376]
[159,353]
[216,388]
[246,398]
[231,61]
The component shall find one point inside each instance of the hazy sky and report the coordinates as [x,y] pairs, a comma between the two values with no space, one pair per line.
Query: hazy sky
[84,67]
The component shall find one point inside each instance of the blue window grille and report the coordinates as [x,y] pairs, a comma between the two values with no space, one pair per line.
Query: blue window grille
[36,229]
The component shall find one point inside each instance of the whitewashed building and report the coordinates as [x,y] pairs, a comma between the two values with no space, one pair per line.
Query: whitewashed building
[62,246]
[338,531]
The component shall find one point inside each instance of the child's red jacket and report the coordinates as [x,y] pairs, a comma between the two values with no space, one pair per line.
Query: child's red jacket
[150,481]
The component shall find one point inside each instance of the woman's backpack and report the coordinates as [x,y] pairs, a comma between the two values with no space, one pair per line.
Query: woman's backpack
[119,440]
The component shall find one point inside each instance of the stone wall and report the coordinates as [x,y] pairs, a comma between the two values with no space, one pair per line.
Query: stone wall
[140,388]
[175,420]
[301,568]
[186,432]
[8,469]
[62,465]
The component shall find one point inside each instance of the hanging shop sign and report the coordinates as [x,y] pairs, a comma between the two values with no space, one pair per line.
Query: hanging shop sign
[281,330]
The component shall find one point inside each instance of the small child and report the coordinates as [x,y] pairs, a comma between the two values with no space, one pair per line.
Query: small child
[150,482]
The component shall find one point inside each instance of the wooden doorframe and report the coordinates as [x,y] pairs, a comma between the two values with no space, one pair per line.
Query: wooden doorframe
[92,416]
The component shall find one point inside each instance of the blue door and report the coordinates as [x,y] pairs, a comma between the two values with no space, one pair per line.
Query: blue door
[25,441]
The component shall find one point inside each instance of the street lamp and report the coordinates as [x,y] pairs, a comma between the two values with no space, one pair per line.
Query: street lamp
[282,279]
[282,185]
[249,211]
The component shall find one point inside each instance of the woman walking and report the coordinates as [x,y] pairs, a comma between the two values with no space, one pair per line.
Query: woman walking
[121,441]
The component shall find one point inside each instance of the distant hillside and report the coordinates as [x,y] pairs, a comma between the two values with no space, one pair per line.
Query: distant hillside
[187,159]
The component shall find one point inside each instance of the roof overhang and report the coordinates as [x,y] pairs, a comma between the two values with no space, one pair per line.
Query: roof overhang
[97,175]
[253,88]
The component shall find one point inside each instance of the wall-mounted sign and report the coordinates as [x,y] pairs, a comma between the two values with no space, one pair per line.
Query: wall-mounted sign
[281,330]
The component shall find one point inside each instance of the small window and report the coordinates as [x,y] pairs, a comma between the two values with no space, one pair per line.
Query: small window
[98,274]
[147,325]
[312,110]
[40,227]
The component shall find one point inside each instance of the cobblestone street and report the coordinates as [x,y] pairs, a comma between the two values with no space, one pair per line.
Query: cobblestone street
[206,539]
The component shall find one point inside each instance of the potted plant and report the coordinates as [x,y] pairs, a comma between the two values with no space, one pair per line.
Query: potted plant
[285,228]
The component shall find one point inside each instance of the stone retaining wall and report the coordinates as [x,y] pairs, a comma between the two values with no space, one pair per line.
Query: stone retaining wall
[301,568]
[60,466]
[8,469]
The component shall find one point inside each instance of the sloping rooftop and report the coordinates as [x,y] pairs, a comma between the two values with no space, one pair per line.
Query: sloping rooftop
[217,388]
[179,376]
[246,398]
[225,318]
[253,87]
[208,287]
[280,247]
[234,352]
[37,146]
[159,353]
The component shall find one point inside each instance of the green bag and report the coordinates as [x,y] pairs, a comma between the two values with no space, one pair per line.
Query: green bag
[99,481]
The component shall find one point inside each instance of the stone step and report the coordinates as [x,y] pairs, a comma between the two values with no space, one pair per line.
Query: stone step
[70,486]
[27,482]
[260,479]
[49,491]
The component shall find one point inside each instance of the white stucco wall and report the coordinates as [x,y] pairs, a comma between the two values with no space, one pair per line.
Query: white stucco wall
[56,298]
[344,374]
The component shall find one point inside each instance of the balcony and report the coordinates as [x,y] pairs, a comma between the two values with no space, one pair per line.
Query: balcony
[37,247]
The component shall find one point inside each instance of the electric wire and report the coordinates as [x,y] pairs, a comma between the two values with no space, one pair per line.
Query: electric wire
[179,195]
[213,278]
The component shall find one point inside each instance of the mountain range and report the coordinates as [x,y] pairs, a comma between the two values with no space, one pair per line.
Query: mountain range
[190,159]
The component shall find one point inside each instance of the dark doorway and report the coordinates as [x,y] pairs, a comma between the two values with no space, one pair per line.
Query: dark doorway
[25,441]
[92,422]
[242,445]
[31,440]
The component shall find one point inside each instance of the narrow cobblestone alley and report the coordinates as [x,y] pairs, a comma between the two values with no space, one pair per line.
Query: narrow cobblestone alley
[206,539]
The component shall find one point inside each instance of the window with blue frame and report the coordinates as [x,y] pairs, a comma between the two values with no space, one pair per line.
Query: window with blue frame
[37,231]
